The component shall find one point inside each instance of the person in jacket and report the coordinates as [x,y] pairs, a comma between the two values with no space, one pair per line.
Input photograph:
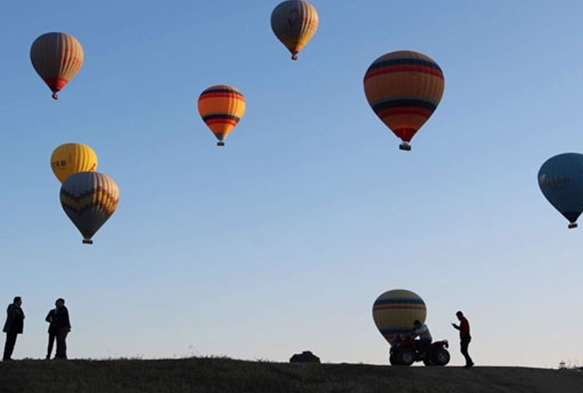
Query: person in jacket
[62,328]
[465,337]
[13,326]
[50,318]
[422,331]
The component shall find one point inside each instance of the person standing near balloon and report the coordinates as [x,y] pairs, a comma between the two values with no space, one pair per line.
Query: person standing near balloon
[13,326]
[50,318]
[62,328]
[465,337]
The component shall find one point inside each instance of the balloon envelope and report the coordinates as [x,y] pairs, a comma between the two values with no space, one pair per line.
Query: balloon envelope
[294,23]
[89,199]
[56,57]
[221,108]
[71,158]
[560,179]
[403,89]
[395,311]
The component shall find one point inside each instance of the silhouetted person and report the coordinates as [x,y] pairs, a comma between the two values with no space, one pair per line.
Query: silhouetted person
[422,331]
[62,328]
[465,338]
[13,327]
[52,330]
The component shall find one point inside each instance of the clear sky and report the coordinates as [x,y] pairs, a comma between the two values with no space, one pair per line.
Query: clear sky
[281,241]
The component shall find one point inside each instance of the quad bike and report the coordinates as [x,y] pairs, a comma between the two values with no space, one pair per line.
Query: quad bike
[404,352]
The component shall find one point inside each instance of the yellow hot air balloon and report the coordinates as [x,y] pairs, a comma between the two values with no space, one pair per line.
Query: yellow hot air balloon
[71,158]
[394,312]
[221,107]
[294,23]
[89,199]
[56,57]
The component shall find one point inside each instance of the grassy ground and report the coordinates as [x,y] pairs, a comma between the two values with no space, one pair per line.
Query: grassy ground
[214,375]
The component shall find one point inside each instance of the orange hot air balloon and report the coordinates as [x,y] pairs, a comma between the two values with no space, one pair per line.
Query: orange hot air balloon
[221,107]
[404,88]
[294,23]
[56,57]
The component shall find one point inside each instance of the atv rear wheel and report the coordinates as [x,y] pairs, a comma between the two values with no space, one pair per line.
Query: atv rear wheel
[393,360]
[406,356]
[440,357]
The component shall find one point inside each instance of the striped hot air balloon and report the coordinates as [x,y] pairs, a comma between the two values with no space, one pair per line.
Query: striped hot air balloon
[294,23]
[89,199]
[395,311]
[71,158]
[404,88]
[221,107]
[56,57]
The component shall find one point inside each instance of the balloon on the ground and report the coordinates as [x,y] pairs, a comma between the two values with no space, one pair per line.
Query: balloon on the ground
[294,23]
[56,57]
[89,199]
[395,311]
[560,179]
[403,89]
[70,158]
[221,108]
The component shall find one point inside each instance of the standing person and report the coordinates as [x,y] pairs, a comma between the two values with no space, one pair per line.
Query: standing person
[52,330]
[13,327]
[465,338]
[62,328]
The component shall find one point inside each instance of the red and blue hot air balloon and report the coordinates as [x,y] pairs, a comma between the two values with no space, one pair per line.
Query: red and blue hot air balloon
[403,89]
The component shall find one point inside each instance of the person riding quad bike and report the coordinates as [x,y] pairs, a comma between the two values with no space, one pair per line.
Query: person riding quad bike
[406,350]
[424,336]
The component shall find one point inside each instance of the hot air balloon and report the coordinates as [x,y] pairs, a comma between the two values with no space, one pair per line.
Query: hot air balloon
[294,23]
[56,57]
[404,88]
[221,107]
[89,199]
[395,311]
[560,179]
[71,158]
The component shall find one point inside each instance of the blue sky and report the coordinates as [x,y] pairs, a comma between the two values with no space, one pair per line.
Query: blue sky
[281,241]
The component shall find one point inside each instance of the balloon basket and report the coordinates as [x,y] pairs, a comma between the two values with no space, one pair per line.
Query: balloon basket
[572,225]
[87,241]
[405,146]
[220,143]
